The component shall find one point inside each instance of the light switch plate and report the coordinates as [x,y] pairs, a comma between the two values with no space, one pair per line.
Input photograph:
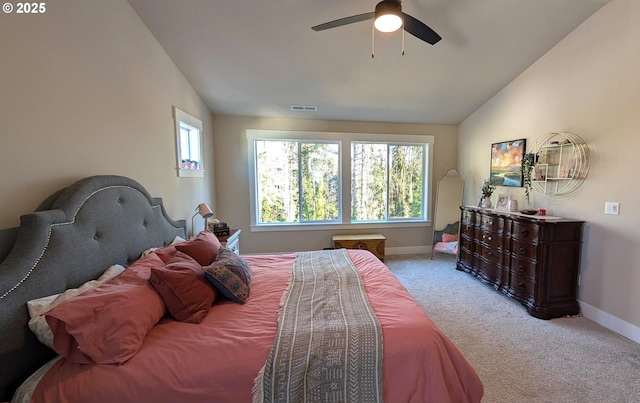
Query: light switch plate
[612,208]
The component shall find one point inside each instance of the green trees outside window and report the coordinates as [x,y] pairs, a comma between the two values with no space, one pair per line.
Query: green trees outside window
[298,181]
[337,180]
[387,181]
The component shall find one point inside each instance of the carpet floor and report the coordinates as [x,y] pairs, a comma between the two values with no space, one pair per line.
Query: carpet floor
[518,357]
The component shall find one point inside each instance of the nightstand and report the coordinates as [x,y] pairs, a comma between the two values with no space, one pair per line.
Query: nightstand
[231,241]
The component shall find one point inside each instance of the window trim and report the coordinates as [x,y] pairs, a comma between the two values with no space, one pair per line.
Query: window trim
[182,117]
[345,138]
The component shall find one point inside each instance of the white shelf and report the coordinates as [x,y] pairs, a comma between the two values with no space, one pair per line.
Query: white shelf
[561,167]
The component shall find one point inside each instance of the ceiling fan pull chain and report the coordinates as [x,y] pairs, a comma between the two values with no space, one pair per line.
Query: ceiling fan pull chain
[373,41]
[403,42]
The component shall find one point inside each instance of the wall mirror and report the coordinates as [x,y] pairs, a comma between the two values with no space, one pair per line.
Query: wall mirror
[446,213]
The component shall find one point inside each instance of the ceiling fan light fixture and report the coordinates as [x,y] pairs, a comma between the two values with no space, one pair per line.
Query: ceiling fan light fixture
[388,16]
[388,23]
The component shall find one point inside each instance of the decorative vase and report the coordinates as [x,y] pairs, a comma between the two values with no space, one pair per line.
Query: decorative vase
[485,202]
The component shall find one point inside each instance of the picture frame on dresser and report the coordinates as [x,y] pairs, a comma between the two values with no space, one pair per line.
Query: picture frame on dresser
[502,201]
[506,163]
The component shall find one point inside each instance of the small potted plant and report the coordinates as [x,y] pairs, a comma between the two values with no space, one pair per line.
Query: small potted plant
[487,190]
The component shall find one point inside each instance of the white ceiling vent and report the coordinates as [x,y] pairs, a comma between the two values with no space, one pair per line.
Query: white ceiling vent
[304,108]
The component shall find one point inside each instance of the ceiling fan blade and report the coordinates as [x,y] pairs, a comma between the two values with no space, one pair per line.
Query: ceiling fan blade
[420,30]
[343,21]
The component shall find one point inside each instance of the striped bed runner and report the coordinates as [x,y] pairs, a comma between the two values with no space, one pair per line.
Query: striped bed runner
[328,346]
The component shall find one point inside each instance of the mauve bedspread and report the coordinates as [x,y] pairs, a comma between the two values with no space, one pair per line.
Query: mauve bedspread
[218,359]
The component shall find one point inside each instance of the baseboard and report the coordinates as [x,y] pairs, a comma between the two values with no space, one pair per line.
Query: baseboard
[611,322]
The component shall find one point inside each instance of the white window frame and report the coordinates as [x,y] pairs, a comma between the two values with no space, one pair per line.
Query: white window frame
[345,195]
[181,118]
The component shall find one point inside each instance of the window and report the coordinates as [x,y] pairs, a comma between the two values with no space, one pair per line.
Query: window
[387,181]
[297,181]
[310,178]
[189,144]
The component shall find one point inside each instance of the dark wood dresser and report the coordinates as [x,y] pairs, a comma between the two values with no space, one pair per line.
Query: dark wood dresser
[534,260]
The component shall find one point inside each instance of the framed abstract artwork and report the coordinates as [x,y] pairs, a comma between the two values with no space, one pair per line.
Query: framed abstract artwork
[506,162]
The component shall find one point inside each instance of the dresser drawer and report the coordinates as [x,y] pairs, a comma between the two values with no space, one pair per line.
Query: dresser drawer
[492,239]
[490,271]
[523,249]
[525,231]
[522,288]
[490,254]
[492,223]
[523,268]
[466,243]
[469,217]
[467,229]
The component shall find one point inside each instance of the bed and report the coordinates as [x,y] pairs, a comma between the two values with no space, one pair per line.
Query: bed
[224,354]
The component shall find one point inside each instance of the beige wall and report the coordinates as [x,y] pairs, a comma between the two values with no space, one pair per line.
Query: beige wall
[588,84]
[231,164]
[87,90]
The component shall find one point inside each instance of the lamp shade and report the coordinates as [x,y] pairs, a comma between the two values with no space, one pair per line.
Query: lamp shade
[204,210]
[388,16]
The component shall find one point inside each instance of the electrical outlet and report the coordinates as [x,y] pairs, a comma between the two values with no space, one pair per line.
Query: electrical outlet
[612,208]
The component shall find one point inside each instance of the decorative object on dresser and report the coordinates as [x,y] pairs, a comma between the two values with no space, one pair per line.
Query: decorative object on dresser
[487,190]
[374,243]
[532,259]
[231,240]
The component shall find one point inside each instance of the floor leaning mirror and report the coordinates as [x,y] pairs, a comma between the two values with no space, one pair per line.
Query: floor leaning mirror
[446,213]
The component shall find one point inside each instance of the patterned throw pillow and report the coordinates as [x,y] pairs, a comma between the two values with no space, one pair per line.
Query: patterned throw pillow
[230,275]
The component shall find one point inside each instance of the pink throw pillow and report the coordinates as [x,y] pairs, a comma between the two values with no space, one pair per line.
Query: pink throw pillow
[203,248]
[108,324]
[449,238]
[184,289]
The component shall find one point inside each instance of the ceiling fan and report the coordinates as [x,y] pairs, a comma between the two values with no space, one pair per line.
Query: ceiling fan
[388,17]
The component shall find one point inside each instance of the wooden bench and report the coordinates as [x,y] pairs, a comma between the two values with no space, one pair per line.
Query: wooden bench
[374,243]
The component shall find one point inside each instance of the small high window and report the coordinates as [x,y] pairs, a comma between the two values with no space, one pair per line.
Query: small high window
[189,144]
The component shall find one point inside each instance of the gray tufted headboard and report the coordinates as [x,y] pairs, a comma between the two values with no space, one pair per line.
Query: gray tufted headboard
[85,228]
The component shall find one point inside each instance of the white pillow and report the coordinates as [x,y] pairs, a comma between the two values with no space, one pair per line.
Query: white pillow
[38,307]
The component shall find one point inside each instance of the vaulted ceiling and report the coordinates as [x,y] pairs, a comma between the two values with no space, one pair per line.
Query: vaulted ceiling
[259,57]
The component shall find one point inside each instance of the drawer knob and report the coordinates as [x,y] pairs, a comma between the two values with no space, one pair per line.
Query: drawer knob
[490,253]
[523,251]
[521,268]
[490,238]
[521,286]
[525,232]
